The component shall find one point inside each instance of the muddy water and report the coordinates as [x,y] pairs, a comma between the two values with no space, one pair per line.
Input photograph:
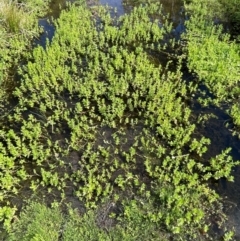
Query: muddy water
[221,137]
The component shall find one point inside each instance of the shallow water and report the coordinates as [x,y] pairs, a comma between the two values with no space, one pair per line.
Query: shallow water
[220,136]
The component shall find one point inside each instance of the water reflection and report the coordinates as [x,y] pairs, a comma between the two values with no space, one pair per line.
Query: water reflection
[56,6]
[115,4]
[48,32]
[46,23]
[172,8]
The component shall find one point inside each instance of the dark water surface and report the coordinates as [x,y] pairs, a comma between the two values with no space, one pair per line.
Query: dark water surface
[220,136]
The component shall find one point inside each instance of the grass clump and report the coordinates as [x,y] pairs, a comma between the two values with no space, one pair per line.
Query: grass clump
[37,222]
[13,16]
[19,17]
[18,26]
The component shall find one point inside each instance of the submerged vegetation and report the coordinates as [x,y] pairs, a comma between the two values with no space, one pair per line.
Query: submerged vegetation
[99,116]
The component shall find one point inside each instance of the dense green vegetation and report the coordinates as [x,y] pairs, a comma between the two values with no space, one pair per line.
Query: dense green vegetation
[96,113]
[215,59]
[73,227]
[19,25]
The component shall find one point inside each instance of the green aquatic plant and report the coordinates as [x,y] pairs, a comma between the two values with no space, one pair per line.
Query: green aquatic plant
[97,114]
[215,58]
[223,10]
